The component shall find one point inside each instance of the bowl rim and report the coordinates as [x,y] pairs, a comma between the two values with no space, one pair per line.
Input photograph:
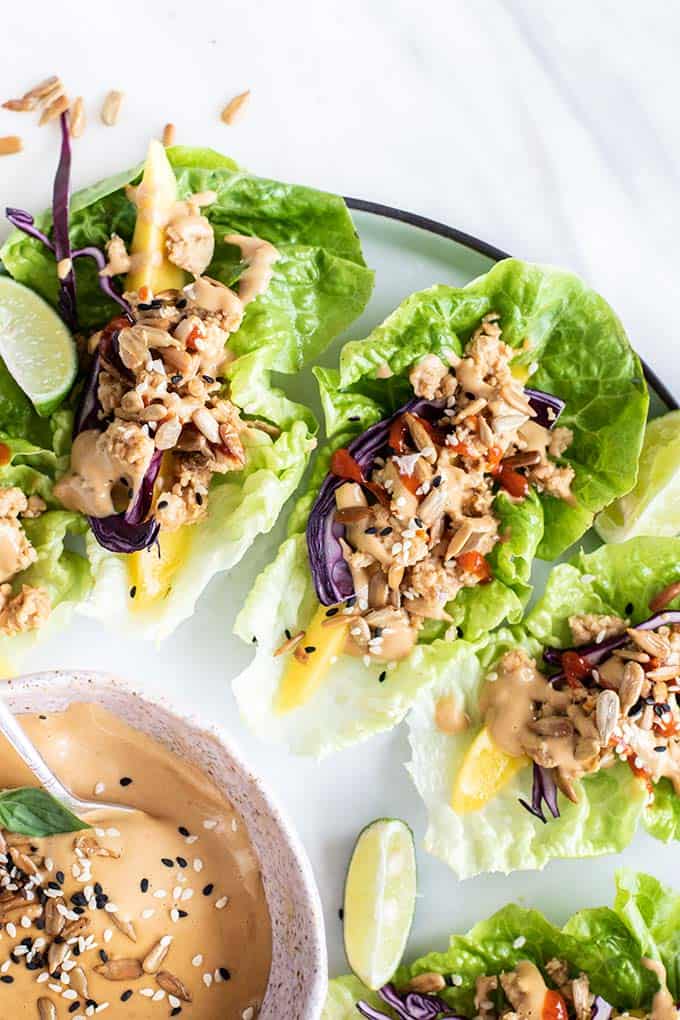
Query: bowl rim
[61,681]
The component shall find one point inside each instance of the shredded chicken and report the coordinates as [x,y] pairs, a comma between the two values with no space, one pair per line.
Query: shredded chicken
[589,627]
[28,610]
[30,607]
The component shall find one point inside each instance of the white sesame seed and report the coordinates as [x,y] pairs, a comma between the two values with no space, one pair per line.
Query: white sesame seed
[49,864]
[26,921]
[197,960]
[173,1001]
[69,993]
[221,903]
[42,978]
[210,823]
[99,789]
[190,840]
[157,996]
[207,980]
[519,942]
[234,822]
[101,1007]
[174,915]
[99,832]
[55,988]
[146,992]
[177,892]
[187,894]
[5,967]
[112,833]
[146,914]
[11,930]
[111,908]
[217,977]
[248,1013]
[166,940]
[108,935]
[160,894]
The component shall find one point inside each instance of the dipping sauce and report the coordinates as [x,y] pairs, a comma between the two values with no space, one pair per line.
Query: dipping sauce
[157,914]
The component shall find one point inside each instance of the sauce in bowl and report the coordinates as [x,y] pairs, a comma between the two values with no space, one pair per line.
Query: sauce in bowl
[161,913]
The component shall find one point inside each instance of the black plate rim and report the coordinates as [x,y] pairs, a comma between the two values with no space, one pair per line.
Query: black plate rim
[476,244]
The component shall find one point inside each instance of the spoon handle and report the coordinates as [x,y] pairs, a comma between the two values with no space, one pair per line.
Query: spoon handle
[11,729]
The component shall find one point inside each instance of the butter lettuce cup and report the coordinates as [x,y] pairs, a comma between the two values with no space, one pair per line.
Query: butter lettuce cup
[605,963]
[559,737]
[215,842]
[475,429]
[189,283]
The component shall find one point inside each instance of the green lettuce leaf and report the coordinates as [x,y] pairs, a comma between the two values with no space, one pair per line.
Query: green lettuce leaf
[605,944]
[577,350]
[320,283]
[503,836]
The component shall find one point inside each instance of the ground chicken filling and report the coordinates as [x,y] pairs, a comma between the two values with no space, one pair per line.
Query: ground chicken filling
[160,387]
[625,708]
[29,607]
[418,528]
[524,994]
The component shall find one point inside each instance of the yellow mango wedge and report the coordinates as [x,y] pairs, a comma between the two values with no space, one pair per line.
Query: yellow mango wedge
[156,195]
[484,772]
[302,678]
[151,573]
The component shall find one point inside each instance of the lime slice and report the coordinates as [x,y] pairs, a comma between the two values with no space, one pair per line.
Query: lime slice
[380,896]
[36,346]
[653,506]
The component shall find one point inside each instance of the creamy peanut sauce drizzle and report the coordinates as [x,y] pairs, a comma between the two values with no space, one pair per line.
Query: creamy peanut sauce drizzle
[663,1007]
[95,471]
[86,745]
[526,990]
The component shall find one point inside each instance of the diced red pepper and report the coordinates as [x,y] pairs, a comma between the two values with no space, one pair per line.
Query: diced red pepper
[409,482]
[397,436]
[554,1006]
[576,668]
[493,460]
[666,727]
[5,454]
[513,482]
[474,563]
[464,450]
[344,465]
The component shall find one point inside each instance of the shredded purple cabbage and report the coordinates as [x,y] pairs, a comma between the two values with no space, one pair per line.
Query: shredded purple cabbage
[105,282]
[62,242]
[23,220]
[543,790]
[330,573]
[411,1006]
[600,1009]
[332,579]
[543,404]
[595,653]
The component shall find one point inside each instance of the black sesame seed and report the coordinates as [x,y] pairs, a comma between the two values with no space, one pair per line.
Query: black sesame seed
[54,885]
[637,707]
[199,499]
[354,417]
[144,306]
[253,639]
[382,677]
[287,633]
[144,885]
[156,303]
[386,531]
[133,591]
[371,531]
[182,861]
[73,1007]
[378,631]
[329,612]
[176,1011]
[125,781]
[98,889]
[649,700]
[60,877]
[207,889]
[350,601]
[182,303]
[629,609]
[162,504]
[225,974]
[183,831]
[310,648]
[79,911]
[78,900]
[182,913]
[419,522]
[660,748]
[168,862]
[103,956]
[660,709]
[341,914]
[437,481]
[126,995]
[91,1002]
[176,379]
[208,378]
[6,979]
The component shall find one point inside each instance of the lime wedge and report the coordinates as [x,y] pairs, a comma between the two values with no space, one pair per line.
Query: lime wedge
[380,896]
[653,506]
[36,346]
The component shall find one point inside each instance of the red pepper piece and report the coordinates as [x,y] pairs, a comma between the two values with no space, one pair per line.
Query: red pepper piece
[554,1006]
[576,668]
[513,482]
[474,563]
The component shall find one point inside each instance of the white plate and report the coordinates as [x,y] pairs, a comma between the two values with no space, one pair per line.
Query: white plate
[330,802]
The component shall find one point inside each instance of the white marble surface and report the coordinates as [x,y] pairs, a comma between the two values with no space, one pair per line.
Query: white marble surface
[550,129]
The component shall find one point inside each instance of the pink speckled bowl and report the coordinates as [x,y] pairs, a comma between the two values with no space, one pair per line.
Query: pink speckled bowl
[298,979]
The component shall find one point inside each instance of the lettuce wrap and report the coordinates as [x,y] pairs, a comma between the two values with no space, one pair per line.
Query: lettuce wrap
[570,345]
[607,945]
[502,835]
[320,283]
[34,452]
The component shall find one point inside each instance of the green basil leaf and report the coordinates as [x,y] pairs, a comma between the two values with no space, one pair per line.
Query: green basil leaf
[32,811]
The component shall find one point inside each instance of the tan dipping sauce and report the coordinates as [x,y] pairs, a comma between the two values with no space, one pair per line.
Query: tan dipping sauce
[193,857]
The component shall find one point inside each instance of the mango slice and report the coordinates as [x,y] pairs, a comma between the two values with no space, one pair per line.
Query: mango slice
[301,679]
[151,574]
[156,195]
[484,772]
